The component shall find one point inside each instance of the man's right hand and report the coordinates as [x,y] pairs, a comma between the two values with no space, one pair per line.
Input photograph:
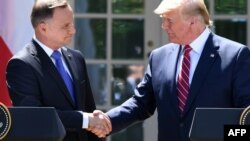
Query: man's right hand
[99,124]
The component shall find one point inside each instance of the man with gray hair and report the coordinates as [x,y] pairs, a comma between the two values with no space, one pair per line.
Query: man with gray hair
[46,73]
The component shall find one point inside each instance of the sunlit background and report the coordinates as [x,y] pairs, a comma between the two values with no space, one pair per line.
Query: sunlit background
[116,35]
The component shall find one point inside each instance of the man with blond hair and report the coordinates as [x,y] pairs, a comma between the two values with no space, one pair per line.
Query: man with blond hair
[196,69]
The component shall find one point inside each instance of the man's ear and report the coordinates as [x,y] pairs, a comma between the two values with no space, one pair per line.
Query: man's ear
[42,27]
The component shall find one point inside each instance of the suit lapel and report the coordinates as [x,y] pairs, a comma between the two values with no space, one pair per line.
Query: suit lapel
[72,66]
[207,59]
[48,65]
[170,70]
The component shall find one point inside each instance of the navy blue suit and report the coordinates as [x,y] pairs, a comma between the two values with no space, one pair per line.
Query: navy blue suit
[33,80]
[221,79]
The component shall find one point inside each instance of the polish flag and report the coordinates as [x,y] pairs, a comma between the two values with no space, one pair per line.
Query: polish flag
[15,31]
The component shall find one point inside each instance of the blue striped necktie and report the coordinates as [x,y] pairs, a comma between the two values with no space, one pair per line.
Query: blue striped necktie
[65,76]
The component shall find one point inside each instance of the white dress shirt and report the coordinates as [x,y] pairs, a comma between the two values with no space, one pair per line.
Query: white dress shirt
[197,47]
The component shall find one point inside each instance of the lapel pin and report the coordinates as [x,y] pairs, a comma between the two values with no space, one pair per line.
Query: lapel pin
[69,56]
[212,55]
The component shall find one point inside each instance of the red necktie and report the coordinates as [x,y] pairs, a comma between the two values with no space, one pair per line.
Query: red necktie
[183,78]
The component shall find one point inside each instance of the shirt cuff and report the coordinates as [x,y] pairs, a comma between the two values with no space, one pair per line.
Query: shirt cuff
[85,121]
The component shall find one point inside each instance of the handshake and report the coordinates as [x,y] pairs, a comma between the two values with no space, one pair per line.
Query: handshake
[99,124]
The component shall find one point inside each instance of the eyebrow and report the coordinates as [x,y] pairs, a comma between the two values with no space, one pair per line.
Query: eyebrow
[165,16]
[168,19]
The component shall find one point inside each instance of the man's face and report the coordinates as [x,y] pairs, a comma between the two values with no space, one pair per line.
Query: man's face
[60,28]
[176,26]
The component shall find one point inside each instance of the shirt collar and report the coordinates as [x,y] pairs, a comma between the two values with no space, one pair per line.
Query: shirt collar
[48,50]
[199,43]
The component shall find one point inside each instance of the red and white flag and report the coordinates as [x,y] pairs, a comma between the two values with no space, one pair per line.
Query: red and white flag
[15,31]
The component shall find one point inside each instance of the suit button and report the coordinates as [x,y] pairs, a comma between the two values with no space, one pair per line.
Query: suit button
[181,124]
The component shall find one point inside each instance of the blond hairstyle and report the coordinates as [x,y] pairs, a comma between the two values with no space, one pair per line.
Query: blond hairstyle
[187,7]
[196,8]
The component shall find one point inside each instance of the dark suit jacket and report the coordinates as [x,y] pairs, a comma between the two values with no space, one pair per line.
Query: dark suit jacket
[33,80]
[221,79]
